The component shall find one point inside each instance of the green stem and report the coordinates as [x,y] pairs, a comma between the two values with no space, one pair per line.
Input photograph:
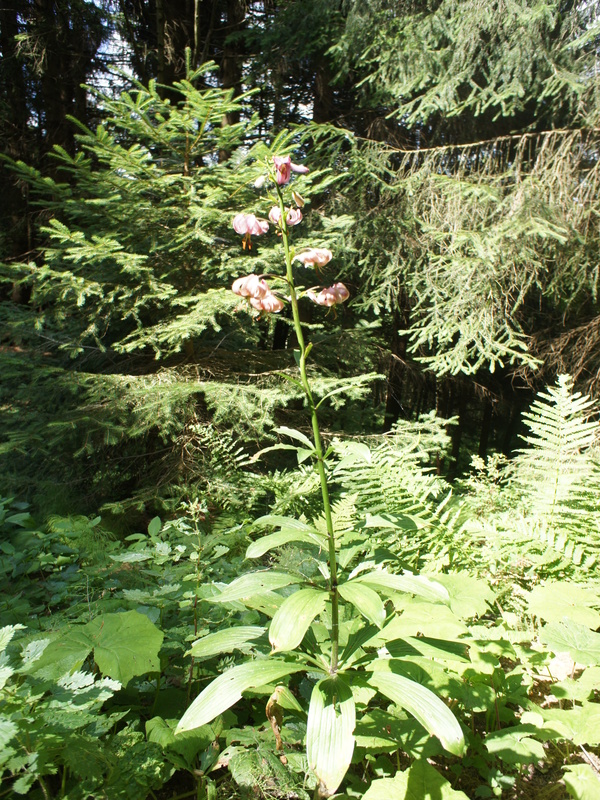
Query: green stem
[320,461]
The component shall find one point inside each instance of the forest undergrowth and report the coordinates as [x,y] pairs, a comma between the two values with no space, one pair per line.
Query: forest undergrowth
[485,614]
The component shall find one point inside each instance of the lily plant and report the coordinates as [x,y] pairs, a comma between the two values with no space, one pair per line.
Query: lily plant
[354,602]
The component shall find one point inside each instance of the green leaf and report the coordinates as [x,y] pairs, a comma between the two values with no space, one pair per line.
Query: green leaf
[8,729]
[582,644]
[271,540]
[294,616]
[582,781]
[367,602]
[427,647]
[255,583]
[154,526]
[469,596]
[385,583]
[420,781]
[329,733]
[285,523]
[227,689]
[225,641]
[425,706]
[304,454]
[515,745]
[294,434]
[556,600]
[125,645]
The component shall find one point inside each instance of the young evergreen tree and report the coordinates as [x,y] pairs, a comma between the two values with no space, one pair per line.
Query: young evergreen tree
[130,322]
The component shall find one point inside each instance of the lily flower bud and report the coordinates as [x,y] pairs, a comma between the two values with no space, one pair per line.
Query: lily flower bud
[298,199]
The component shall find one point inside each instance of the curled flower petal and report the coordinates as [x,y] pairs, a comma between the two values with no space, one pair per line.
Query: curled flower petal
[250,286]
[292,216]
[249,225]
[275,215]
[341,291]
[260,182]
[270,303]
[299,168]
[330,296]
[315,257]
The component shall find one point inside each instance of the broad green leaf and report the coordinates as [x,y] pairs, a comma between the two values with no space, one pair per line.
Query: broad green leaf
[225,641]
[227,689]
[578,688]
[582,644]
[329,733]
[556,600]
[254,583]
[367,602]
[154,526]
[271,540]
[420,781]
[515,745]
[419,618]
[385,583]
[423,704]
[580,724]
[297,435]
[62,655]
[294,616]
[582,781]
[125,645]
[186,745]
[469,596]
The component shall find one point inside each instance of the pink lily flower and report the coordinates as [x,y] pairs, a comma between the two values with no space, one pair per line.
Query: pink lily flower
[284,169]
[331,296]
[249,225]
[250,286]
[315,257]
[292,216]
[270,303]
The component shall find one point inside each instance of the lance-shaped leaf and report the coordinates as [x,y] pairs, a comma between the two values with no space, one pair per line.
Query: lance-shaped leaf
[423,704]
[367,602]
[255,583]
[385,583]
[294,434]
[266,543]
[225,641]
[285,523]
[227,689]
[330,732]
[294,616]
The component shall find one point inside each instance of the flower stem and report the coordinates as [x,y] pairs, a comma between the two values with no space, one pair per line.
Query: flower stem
[320,460]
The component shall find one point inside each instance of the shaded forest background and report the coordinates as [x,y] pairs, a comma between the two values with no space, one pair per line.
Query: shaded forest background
[453,149]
